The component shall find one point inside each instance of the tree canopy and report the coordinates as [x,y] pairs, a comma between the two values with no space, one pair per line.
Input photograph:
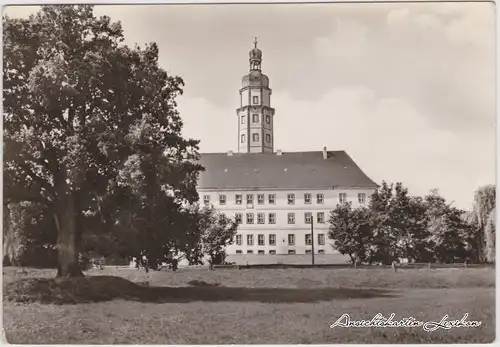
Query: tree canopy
[91,129]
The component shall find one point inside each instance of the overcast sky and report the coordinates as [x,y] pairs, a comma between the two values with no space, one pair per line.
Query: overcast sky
[408,90]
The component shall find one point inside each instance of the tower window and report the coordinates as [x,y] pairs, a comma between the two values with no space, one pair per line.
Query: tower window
[255,137]
[268,119]
[255,118]
[255,100]
[243,119]
[268,138]
[242,138]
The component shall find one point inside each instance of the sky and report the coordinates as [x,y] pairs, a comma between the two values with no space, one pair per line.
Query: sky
[406,89]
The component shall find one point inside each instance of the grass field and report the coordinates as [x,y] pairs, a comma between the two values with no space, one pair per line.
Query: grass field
[260,306]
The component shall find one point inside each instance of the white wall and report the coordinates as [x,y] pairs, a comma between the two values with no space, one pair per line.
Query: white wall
[281,209]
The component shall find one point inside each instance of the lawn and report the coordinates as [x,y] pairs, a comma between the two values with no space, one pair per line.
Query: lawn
[259,306]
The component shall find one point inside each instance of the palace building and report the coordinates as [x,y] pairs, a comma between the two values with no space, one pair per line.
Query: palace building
[276,194]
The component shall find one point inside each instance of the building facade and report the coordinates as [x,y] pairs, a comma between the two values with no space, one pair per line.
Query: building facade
[276,195]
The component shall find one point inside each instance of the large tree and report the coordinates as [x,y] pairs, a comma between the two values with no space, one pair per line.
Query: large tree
[87,119]
[481,217]
[351,231]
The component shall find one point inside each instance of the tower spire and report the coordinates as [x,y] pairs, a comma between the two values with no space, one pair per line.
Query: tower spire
[255,42]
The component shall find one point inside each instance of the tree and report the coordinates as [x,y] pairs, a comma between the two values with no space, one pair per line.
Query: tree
[86,120]
[210,232]
[484,204]
[448,231]
[350,231]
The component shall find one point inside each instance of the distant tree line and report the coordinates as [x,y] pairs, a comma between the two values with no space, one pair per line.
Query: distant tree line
[396,226]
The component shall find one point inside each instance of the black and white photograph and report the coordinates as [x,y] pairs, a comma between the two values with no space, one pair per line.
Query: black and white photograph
[207,173]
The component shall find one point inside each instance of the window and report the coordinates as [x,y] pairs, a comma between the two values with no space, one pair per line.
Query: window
[291,239]
[321,251]
[238,217]
[249,251]
[255,118]
[261,252]
[249,199]
[268,138]
[272,199]
[319,198]
[268,119]
[307,198]
[307,217]
[255,137]
[291,199]
[361,198]
[291,251]
[260,239]
[342,197]
[320,217]
[308,251]
[321,239]
[243,119]
[260,199]
[239,240]
[222,199]
[206,199]
[250,240]
[272,251]
[291,218]
[308,239]
[272,239]
[272,218]
[249,218]
[239,199]
[242,138]
[255,100]
[238,251]
[261,219]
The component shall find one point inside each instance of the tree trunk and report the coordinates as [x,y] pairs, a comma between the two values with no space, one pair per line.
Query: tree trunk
[67,250]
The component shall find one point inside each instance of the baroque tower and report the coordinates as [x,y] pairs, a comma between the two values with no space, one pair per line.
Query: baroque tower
[255,114]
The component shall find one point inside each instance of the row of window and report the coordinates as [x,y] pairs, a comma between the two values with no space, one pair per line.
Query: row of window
[256,118]
[271,217]
[256,138]
[272,198]
[272,239]
[272,251]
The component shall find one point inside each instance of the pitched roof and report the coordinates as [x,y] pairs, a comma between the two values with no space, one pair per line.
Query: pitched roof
[293,170]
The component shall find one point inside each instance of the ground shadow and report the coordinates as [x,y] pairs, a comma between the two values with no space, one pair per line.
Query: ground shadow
[105,288]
